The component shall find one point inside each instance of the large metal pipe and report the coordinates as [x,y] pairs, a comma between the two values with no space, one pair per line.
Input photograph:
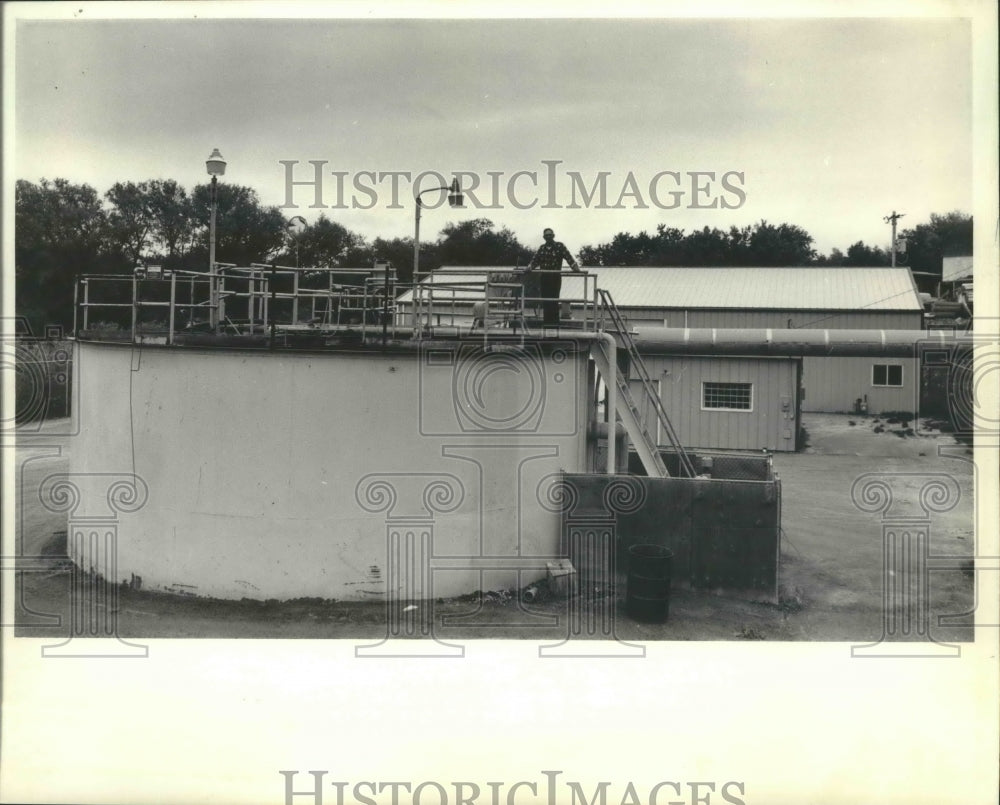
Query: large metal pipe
[611,383]
[794,343]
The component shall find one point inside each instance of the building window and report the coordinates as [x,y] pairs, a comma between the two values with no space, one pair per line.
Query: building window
[887,374]
[727,396]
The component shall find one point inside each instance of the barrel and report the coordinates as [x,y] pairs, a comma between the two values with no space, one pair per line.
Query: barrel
[647,591]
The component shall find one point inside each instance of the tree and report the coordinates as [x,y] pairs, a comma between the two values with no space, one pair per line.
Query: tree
[173,221]
[151,220]
[945,235]
[836,259]
[707,247]
[784,245]
[130,219]
[763,244]
[60,230]
[858,254]
[246,232]
[478,243]
[327,244]
[399,253]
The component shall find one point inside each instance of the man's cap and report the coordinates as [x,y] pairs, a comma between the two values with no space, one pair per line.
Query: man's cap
[547,232]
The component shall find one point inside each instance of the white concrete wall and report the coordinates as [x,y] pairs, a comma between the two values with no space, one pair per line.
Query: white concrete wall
[253,461]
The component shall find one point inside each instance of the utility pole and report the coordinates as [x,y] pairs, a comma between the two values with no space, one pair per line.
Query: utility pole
[892,219]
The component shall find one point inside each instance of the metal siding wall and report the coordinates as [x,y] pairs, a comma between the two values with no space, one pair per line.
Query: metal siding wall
[762,427]
[833,384]
[778,319]
[648,317]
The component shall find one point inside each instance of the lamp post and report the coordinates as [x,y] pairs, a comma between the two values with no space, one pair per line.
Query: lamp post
[296,226]
[456,200]
[216,167]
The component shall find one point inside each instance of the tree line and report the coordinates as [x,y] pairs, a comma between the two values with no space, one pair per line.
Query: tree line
[64,229]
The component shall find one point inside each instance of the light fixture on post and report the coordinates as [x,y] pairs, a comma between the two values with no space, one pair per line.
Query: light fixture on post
[216,167]
[456,199]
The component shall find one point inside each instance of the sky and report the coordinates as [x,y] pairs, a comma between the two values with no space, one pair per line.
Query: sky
[828,124]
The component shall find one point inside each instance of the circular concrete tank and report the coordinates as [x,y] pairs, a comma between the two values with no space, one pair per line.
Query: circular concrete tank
[336,474]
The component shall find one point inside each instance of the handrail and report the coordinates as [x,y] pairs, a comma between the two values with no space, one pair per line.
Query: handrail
[248,297]
[447,290]
[621,330]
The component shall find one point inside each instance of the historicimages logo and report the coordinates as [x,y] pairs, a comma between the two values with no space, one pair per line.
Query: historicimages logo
[314,789]
[547,187]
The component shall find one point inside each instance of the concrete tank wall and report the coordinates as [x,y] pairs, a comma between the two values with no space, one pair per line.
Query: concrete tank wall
[279,475]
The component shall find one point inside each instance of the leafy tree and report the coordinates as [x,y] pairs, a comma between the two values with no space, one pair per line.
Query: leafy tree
[246,232]
[784,245]
[478,243]
[326,244]
[707,247]
[836,259]
[130,219]
[858,254]
[151,220]
[60,230]
[399,253]
[173,221]
[926,244]
[760,245]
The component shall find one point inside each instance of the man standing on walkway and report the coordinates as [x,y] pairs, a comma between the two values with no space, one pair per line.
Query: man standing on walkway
[548,259]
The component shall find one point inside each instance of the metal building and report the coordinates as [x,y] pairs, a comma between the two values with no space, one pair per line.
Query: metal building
[729,403]
[784,297]
[787,299]
[780,299]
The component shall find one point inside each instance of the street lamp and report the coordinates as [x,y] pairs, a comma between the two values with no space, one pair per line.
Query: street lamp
[216,167]
[296,226]
[456,200]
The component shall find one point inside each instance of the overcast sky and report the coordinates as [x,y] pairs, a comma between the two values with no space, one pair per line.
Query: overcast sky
[832,123]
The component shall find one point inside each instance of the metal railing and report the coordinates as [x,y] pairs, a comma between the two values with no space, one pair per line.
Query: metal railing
[491,300]
[250,300]
[620,329]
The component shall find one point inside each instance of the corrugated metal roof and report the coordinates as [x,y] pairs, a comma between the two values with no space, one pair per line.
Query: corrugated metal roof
[956,268]
[792,288]
[795,288]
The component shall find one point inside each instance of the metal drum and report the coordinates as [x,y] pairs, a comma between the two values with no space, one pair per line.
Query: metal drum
[647,596]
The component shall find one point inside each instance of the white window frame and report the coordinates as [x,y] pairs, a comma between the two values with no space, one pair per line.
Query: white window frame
[887,384]
[729,382]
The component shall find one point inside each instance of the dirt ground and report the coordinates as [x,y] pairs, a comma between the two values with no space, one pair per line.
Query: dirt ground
[831,570]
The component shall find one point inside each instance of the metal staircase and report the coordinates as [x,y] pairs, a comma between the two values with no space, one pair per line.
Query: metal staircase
[643,441]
